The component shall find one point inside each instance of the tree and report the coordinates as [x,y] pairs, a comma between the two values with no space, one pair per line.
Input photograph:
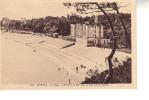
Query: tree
[123,24]
[92,7]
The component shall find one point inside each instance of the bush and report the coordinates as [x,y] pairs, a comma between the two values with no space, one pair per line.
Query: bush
[121,74]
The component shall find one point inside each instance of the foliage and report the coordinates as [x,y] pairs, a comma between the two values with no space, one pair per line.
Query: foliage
[62,25]
[121,74]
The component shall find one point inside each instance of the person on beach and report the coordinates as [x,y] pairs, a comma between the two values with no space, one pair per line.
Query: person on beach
[69,81]
[59,69]
[77,69]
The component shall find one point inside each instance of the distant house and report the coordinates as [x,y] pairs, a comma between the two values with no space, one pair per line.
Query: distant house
[88,35]
[53,29]
[52,32]
[104,41]
[5,22]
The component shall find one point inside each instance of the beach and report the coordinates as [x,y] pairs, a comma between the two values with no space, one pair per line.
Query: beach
[32,59]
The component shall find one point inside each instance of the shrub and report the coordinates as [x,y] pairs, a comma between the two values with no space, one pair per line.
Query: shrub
[121,74]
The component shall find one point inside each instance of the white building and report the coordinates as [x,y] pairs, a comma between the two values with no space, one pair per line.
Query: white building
[86,34]
[85,31]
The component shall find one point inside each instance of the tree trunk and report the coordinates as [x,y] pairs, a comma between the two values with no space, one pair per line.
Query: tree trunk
[123,25]
[109,79]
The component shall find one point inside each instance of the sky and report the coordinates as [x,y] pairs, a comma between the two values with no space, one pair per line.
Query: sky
[16,9]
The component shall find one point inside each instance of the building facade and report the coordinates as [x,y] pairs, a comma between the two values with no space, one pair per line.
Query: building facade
[86,31]
[88,35]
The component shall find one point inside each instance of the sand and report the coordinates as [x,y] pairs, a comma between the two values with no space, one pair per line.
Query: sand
[28,59]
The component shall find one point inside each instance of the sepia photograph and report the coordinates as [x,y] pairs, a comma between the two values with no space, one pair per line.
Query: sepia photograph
[67,44]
